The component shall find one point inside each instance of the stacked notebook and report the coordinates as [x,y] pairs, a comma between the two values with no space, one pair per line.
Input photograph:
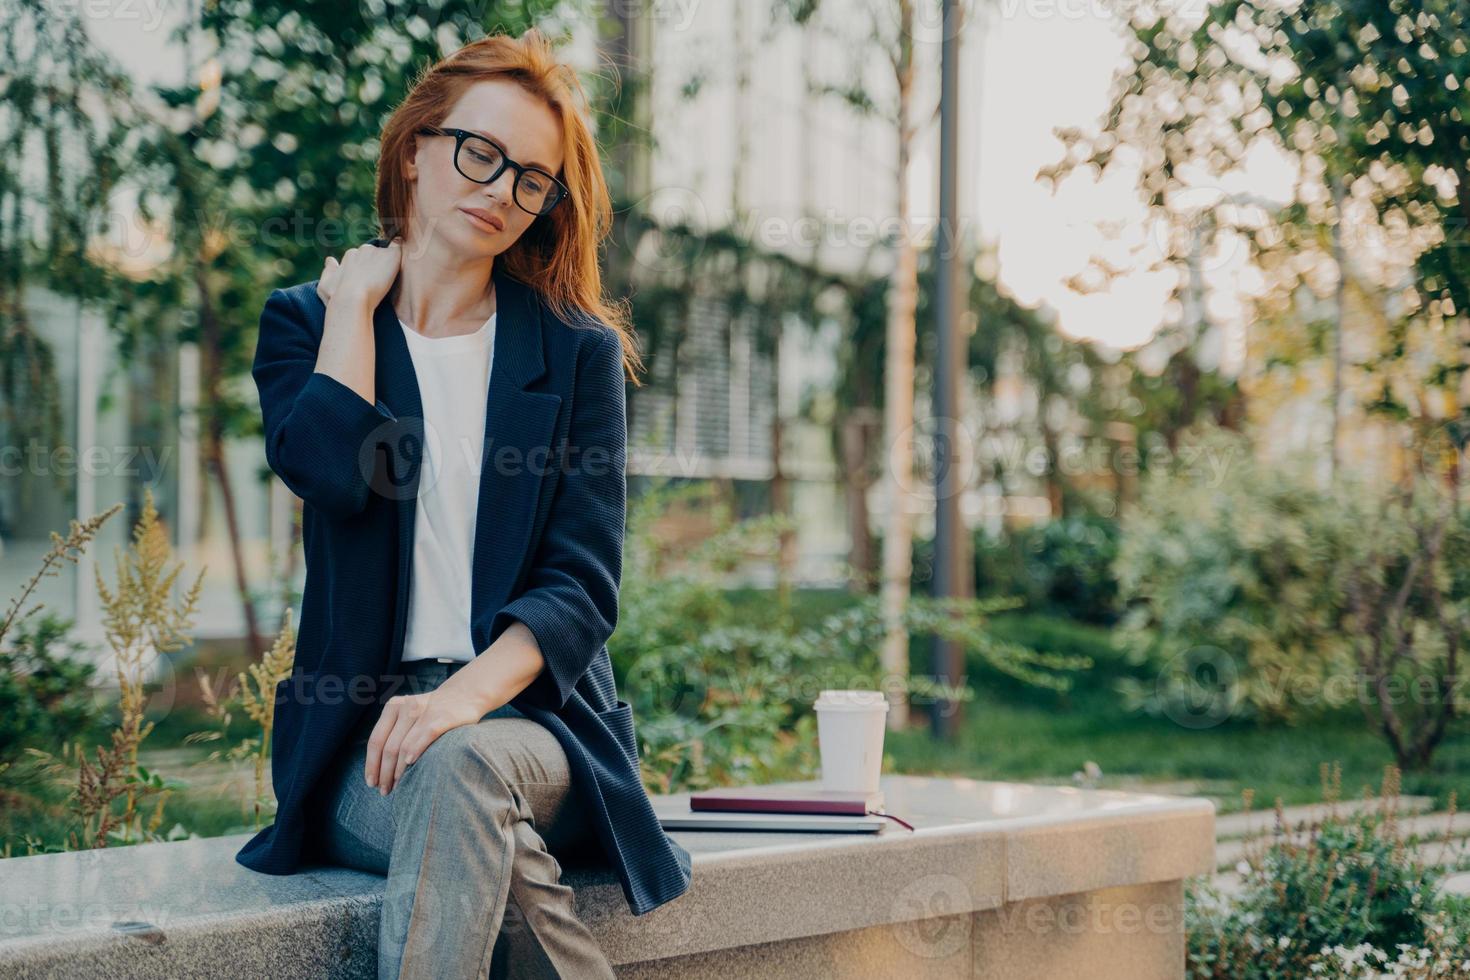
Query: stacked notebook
[785,808]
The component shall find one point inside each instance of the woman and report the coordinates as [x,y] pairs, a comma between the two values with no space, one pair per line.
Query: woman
[448,402]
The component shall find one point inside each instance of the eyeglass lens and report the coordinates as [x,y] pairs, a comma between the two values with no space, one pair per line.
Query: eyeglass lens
[479,160]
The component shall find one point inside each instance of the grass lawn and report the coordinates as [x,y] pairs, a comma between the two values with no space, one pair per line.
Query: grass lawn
[1016,733]
[1032,743]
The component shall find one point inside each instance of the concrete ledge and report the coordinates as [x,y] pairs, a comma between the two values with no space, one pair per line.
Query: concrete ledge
[1133,933]
[788,901]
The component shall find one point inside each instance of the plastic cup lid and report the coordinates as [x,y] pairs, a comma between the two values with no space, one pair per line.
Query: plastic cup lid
[852,700]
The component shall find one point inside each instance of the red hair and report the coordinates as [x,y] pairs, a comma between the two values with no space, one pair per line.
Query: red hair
[557,254]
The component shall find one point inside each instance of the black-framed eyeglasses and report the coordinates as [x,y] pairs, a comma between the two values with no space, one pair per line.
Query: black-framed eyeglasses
[483,160]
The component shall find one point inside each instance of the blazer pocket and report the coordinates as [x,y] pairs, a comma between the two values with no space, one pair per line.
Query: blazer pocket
[619,721]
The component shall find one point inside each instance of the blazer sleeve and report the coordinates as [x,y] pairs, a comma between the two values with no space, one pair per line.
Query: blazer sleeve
[570,602]
[315,426]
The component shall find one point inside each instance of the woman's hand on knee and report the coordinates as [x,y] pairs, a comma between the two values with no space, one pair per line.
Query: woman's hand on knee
[408,725]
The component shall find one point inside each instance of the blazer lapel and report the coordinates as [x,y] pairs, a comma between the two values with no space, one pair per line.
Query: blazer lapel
[517,455]
[399,391]
[519,428]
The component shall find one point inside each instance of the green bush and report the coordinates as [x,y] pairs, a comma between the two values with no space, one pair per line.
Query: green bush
[1225,568]
[1342,897]
[1253,592]
[1063,566]
[45,686]
[46,700]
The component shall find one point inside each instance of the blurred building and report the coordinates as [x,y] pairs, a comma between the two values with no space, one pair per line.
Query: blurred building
[127,427]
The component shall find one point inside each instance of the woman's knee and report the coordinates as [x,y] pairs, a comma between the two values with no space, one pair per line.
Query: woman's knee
[458,759]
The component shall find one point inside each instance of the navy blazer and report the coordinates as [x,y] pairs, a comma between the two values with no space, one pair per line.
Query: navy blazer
[547,551]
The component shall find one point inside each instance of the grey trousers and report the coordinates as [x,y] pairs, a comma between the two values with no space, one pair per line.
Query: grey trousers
[465,839]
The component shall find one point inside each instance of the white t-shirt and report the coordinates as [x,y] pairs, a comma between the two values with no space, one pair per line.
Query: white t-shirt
[453,378]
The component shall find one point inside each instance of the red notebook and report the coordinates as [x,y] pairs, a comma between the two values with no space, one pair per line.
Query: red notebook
[786,799]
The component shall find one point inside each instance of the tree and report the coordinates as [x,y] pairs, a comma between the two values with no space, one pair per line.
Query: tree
[1404,590]
[1364,98]
[72,110]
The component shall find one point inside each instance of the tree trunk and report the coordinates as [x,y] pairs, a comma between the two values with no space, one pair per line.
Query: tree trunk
[1056,497]
[781,504]
[1339,306]
[209,335]
[857,433]
[242,583]
[898,406]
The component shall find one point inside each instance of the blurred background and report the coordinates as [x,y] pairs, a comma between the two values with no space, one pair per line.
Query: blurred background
[1183,452]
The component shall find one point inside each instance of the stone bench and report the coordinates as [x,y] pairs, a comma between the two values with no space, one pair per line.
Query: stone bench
[997,880]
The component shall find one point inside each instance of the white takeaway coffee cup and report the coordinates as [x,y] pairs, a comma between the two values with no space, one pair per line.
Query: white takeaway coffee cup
[850,725]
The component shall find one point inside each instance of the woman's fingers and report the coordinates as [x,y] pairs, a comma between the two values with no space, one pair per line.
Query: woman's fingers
[419,735]
[327,283]
[382,745]
[396,743]
[375,745]
[364,271]
[407,751]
